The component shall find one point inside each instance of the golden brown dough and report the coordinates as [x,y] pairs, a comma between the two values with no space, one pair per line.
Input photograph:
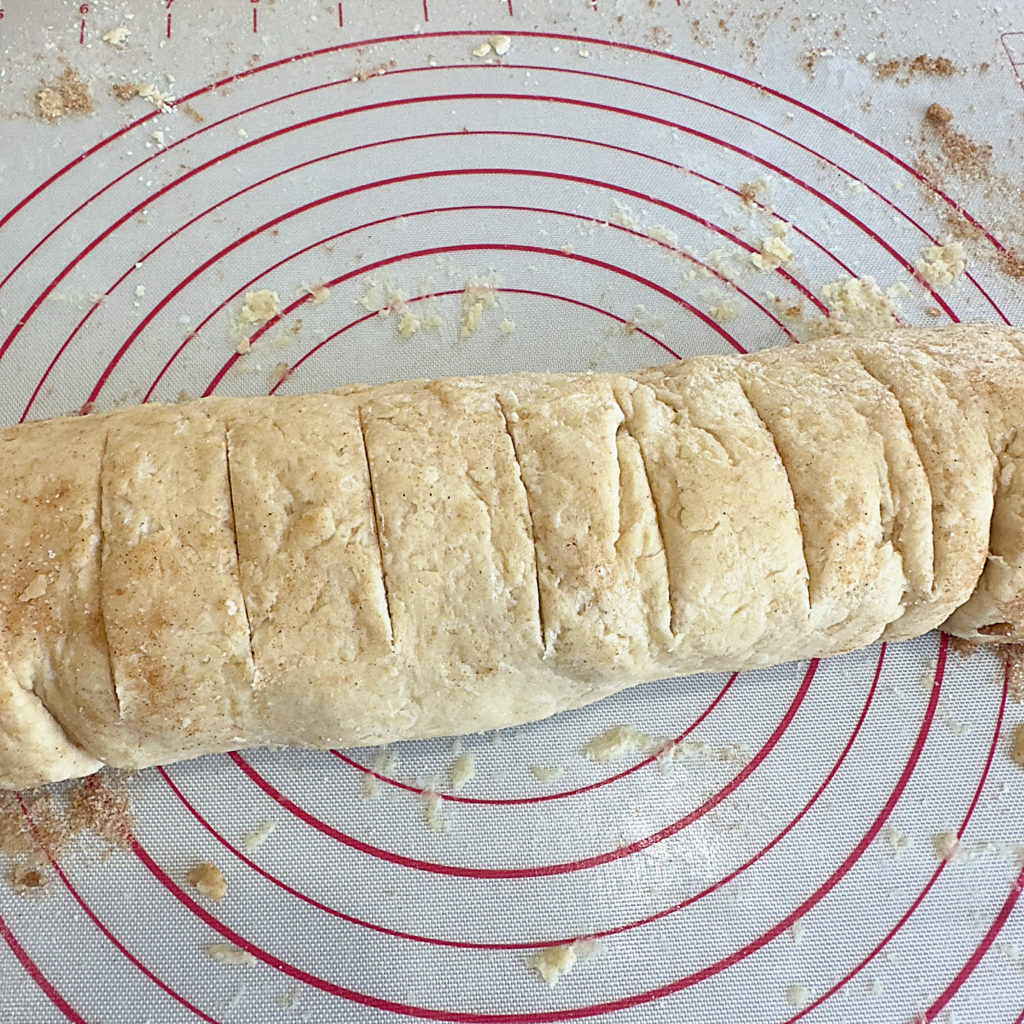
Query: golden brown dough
[435,557]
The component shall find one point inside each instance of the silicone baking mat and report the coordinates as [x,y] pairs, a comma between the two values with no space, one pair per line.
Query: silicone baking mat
[440,188]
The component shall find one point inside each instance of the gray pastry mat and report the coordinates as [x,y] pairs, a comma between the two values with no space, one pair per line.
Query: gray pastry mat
[786,864]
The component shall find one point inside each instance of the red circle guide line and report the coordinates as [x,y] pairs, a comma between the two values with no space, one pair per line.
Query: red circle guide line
[436,135]
[605,933]
[33,971]
[610,1006]
[544,797]
[835,206]
[544,870]
[356,190]
[631,48]
[887,938]
[376,107]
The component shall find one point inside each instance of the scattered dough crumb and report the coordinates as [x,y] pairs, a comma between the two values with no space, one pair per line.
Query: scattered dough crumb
[477,295]
[67,95]
[1017,745]
[243,346]
[897,839]
[723,312]
[432,804]
[258,307]
[125,91]
[482,50]
[773,253]
[116,37]
[797,994]
[616,743]
[554,962]
[698,750]
[279,374]
[796,932]
[253,840]
[318,292]
[875,987]
[408,324]
[228,954]
[209,880]
[543,773]
[462,771]
[946,845]
[35,589]
[501,44]
[384,763]
[507,326]
[941,265]
[859,304]
[163,101]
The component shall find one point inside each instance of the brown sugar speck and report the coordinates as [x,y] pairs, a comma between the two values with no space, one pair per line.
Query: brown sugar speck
[99,805]
[125,91]
[1012,264]
[193,113]
[1012,657]
[938,114]
[903,69]
[67,95]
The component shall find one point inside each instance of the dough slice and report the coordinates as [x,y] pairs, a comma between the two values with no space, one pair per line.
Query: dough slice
[310,569]
[172,605]
[836,466]
[600,559]
[458,557]
[738,581]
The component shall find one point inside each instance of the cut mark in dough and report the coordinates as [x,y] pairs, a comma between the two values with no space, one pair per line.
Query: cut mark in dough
[378,527]
[529,515]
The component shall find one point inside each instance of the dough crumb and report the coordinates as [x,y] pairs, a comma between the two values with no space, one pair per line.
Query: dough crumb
[796,932]
[772,253]
[319,293]
[723,312]
[164,102]
[483,50]
[477,295]
[554,962]
[697,750]
[408,325]
[462,771]
[941,265]
[258,307]
[616,743]
[228,954]
[875,987]
[209,880]
[243,346]
[1017,745]
[432,812]
[797,994]
[501,44]
[507,326]
[859,304]
[384,763]
[253,840]
[897,839]
[117,37]
[69,94]
[543,773]
[946,845]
